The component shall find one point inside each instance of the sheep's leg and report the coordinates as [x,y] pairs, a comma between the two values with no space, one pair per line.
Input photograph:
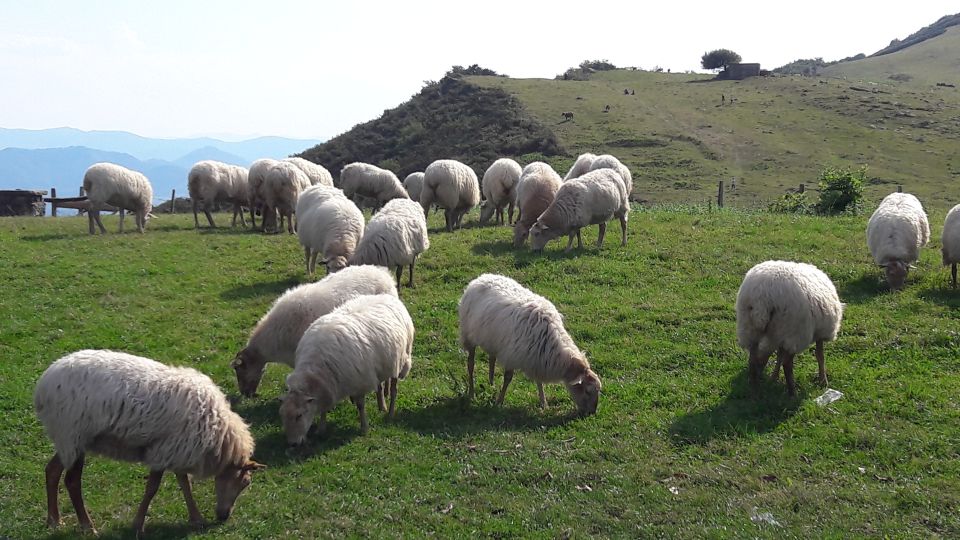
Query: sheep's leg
[492,368]
[96,216]
[206,212]
[603,232]
[399,274]
[776,369]
[238,210]
[361,410]
[196,220]
[543,397]
[756,365]
[153,485]
[623,230]
[306,259]
[788,374]
[54,470]
[448,218]
[953,273]
[141,221]
[579,240]
[313,261]
[507,375]
[253,217]
[123,213]
[820,363]
[381,402]
[393,397]
[570,243]
[471,359]
[90,221]
[73,482]
[510,214]
[410,283]
[291,226]
[499,216]
[196,518]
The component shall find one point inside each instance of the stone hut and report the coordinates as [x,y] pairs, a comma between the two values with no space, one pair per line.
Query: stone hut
[22,202]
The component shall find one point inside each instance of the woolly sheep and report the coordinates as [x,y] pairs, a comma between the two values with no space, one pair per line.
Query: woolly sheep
[282,186]
[332,226]
[256,177]
[451,185]
[135,409]
[111,184]
[606,161]
[896,231]
[395,236]
[951,242]
[371,182]
[318,174]
[581,166]
[275,337]
[523,331]
[785,306]
[535,191]
[593,198]
[347,353]
[499,188]
[413,183]
[212,181]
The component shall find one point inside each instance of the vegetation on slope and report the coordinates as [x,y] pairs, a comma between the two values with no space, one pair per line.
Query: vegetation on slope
[925,33]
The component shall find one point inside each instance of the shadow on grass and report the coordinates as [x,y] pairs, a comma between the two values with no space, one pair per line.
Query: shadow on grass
[863,289]
[273,450]
[522,256]
[473,224]
[266,288]
[455,417]
[152,529]
[739,414]
[227,229]
[944,295]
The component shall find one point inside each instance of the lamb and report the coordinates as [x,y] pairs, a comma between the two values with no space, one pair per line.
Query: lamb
[451,185]
[131,408]
[500,189]
[896,231]
[593,198]
[111,184]
[211,181]
[372,182]
[413,183]
[256,177]
[283,185]
[348,353]
[606,161]
[395,236]
[329,224]
[786,306]
[523,331]
[275,337]
[951,242]
[535,191]
[581,166]
[318,174]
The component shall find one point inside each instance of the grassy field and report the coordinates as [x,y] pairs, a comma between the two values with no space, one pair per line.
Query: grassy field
[678,447]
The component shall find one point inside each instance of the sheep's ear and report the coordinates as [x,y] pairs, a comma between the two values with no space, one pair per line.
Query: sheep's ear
[236,362]
[253,466]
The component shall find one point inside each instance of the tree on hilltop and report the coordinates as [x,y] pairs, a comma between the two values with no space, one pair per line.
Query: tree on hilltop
[719,59]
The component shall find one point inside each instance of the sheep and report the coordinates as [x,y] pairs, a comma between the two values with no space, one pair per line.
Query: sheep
[413,183]
[567,115]
[606,161]
[535,191]
[896,231]
[211,181]
[451,185]
[347,353]
[318,174]
[500,189]
[786,306]
[593,198]
[275,337]
[951,242]
[523,331]
[281,188]
[110,184]
[372,182]
[332,226]
[394,237]
[256,176]
[581,166]
[132,408]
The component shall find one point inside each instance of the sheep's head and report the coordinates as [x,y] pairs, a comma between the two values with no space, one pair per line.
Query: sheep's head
[585,392]
[486,211]
[249,371]
[335,264]
[896,272]
[230,483]
[520,233]
[297,410]
[540,234]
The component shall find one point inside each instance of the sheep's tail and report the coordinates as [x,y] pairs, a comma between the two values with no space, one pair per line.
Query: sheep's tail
[426,199]
[759,316]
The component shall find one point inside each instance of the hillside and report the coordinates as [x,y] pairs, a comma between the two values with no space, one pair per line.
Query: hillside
[925,33]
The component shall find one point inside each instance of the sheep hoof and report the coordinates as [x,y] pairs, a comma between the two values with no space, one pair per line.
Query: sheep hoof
[54,523]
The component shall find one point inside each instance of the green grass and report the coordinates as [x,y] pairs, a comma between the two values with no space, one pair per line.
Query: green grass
[677,449]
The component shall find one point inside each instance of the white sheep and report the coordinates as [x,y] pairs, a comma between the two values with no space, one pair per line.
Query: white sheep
[581,166]
[413,183]
[499,188]
[348,353]
[535,191]
[275,337]
[593,198]
[523,331]
[110,184]
[896,231]
[318,174]
[395,236]
[330,225]
[371,182]
[282,187]
[135,409]
[784,307]
[606,161]
[211,181]
[951,242]
[256,176]
[451,185]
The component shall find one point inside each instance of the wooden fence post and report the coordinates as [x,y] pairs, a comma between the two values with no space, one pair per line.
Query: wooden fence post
[53,205]
[173,201]
[899,188]
[720,195]
[802,188]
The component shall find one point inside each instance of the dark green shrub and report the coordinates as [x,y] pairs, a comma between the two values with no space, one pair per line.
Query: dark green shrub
[791,203]
[841,190]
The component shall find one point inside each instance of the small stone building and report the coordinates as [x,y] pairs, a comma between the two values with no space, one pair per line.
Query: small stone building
[22,202]
[738,72]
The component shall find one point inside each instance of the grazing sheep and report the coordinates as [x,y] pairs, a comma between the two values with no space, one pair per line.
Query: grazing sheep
[593,198]
[451,185]
[535,191]
[581,166]
[329,224]
[606,161]
[256,177]
[110,184]
[318,174]
[135,409]
[282,187]
[395,236]
[371,182]
[347,353]
[523,331]
[785,306]
[897,230]
[275,337]
[212,181]
[500,189]
[413,183]
[951,242]
[567,115]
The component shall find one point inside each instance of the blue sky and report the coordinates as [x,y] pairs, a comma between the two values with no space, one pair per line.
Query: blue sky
[314,69]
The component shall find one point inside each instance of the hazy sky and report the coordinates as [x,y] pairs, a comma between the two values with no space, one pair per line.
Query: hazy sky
[314,69]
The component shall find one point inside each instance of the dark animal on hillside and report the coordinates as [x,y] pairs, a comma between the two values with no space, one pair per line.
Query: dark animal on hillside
[606,108]
[626,92]
[633,92]
[567,115]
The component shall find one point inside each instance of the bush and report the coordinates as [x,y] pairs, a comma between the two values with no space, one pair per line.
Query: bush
[791,203]
[841,190]
[597,65]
